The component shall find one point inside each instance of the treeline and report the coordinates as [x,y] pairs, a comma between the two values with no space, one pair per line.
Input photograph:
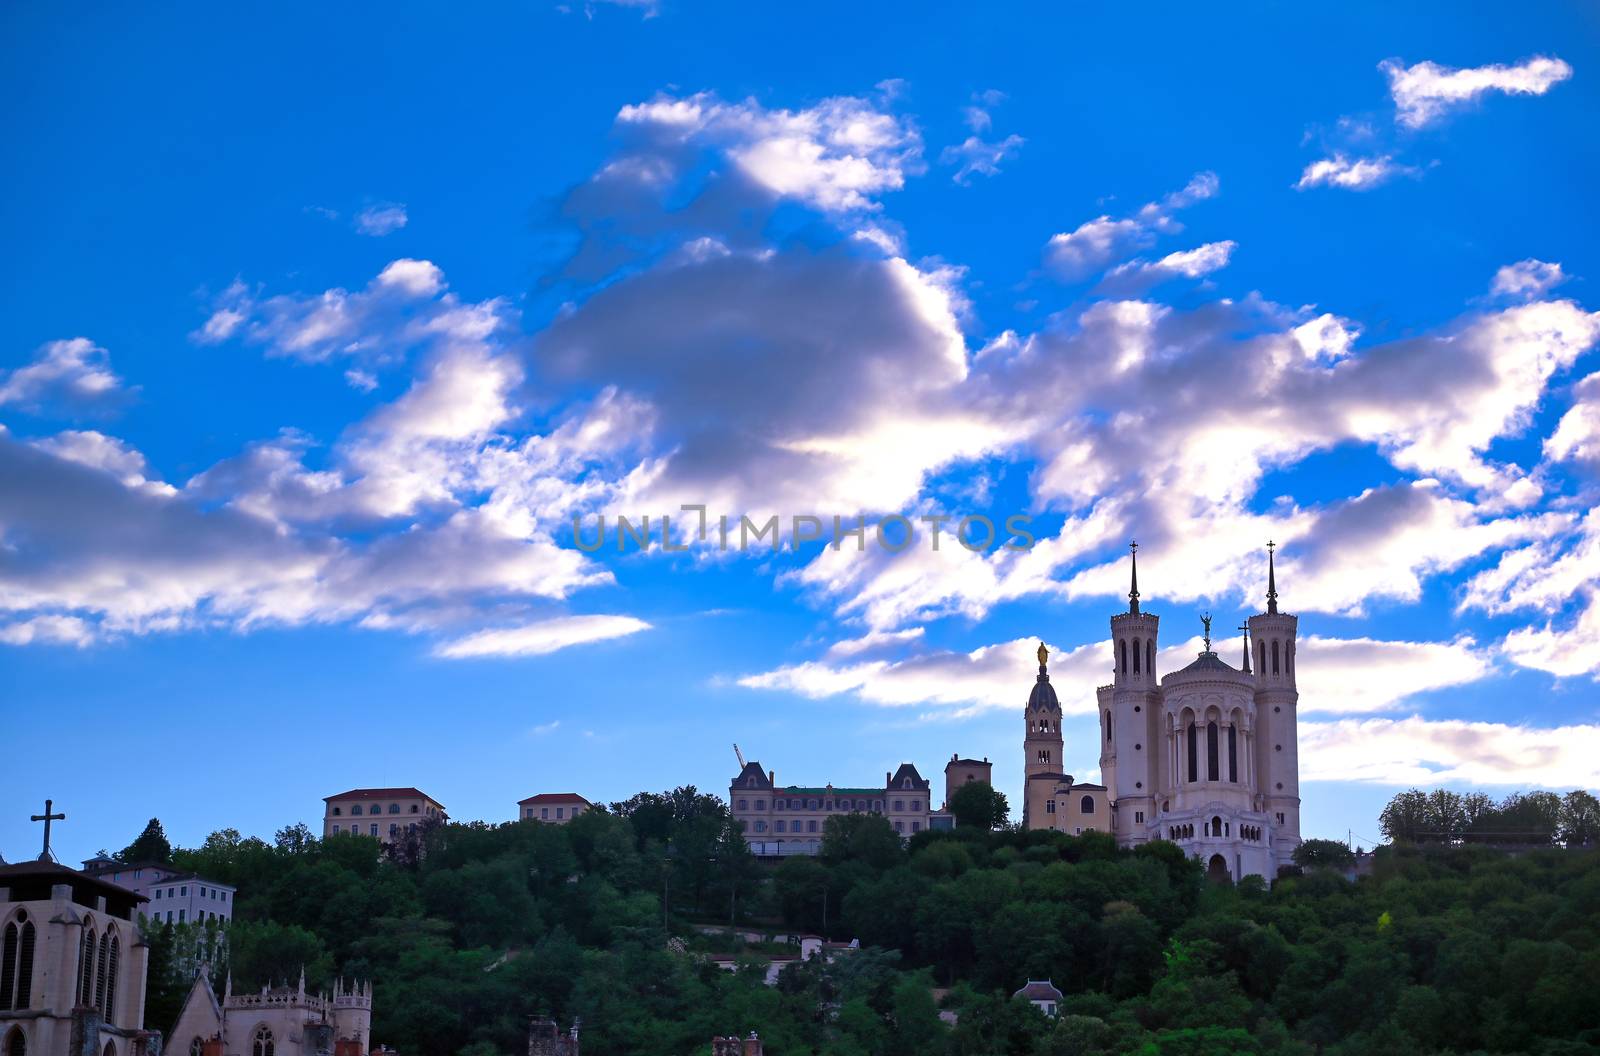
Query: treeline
[1521,818]
[474,928]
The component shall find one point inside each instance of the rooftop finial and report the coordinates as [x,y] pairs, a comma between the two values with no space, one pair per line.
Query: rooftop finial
[1133,590]
[1044,657]
[1206,620]
[1272,579]
[1245,627]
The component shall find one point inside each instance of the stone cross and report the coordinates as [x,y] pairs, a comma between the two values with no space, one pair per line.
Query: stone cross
[47,818]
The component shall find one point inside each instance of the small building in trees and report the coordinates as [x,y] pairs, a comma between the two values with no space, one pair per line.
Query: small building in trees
[173,896]
[790,819]
[277,1021]
[386,814]
[553,808]
[1041,994]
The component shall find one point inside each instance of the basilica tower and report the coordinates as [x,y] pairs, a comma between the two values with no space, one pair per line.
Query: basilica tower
[1277,702]
[1042,742]
[1129,709]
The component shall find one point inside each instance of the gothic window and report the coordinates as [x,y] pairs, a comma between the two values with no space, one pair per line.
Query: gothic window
[1108,726]
[108,1011]
[1274,656]
[1149,658]
[1288,658]
[8,967]
[1136,652]
[1086,805]
[16,1044]
[1211,751]
[1261,657]
[110,1049]
[1194,772]
[86,948]
[1233,747]
[1123,646]
[100,970]
[262,1046]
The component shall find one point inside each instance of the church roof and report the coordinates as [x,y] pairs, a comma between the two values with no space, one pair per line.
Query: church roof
[1039,990]
[32,881]
[1208,663]
[554,797]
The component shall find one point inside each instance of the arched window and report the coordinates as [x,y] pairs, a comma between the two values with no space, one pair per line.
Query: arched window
[356,810]
[86,949]
[1194,771]
[1150,657]
[1233,748]
[108,1011]
[1211,751]
[1108,726]
[262,1045]
[16,1044]
[100,970]
[1136,652]
[8,966]
[1288,658]
[1123,647]
[1274,656]
[1086,805]
[110,1049]
[1216,826]
[1261,657]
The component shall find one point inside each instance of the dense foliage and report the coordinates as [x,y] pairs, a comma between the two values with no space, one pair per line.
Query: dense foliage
[1522,818]
[474,929]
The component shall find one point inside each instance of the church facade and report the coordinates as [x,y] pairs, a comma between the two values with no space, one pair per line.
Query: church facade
[278,1021]
[1205,756]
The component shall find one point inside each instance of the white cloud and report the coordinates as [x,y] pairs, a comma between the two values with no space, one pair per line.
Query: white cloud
[537,639]
[1577,435]
[382,219]
[1344,675]
[1188,263]
[1352,174]
[1096,243]
[974,155]
[74,372]
[99,451]
[47,630]
[837,156]
[1427,91]
[1429,752]
[1526,279]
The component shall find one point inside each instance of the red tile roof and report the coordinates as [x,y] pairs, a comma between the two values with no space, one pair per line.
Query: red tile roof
[555,797]
[383,793]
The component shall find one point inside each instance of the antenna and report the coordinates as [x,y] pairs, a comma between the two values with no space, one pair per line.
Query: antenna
[737,754]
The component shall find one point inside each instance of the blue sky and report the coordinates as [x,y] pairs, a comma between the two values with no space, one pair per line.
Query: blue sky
[320,327]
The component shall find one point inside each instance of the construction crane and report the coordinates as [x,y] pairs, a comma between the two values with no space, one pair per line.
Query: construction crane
[737,754]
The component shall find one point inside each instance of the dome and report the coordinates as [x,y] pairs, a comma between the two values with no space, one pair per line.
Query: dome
[1209,665]
[1043,695]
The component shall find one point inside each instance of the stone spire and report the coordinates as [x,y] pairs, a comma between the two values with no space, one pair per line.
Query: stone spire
[1272,581]
[1133,590]
[1244,628]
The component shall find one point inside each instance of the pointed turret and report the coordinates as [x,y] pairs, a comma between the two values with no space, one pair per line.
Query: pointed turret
[1244,629]
[1133,587]
[1272,581]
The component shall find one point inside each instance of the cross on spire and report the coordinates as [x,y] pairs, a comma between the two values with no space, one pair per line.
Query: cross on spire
[47,818]
[1245,627]
[1133,590]
[1272,579]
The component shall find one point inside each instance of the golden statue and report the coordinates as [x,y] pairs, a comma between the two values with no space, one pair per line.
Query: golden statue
[1044,654]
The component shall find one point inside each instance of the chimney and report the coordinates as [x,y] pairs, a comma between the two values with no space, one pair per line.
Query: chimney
[752,1045]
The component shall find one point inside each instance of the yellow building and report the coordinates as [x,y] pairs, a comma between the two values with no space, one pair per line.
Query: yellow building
[384,813]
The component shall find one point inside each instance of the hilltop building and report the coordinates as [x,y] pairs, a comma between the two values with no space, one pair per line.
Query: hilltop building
[556,808]
[385,813]
[1205,757]
[790,819]
[72,964]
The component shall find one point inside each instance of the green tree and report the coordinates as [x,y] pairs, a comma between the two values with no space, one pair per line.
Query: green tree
[150,846]
[1405,817]
[1579,824]
[865,838]
[978,805]
[1324,854]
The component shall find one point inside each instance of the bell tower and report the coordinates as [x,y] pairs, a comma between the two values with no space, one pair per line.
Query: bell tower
[1128,711]
[1277,722]
[1041,746]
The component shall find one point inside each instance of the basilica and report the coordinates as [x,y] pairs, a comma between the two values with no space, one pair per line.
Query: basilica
[1204,756]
